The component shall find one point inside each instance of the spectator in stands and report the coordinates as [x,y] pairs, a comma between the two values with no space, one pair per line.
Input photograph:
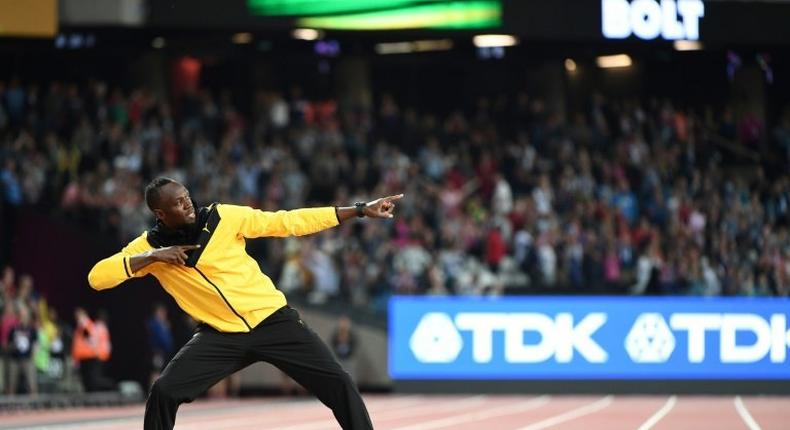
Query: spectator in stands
[11,196]
[160,340]
[46,334]
[102,331]
[343,342]
[8,282]
[574,203]
[52,360]
[103,345]
[15,102]
[65,334]
[25,295]
[8,320]
[21,345]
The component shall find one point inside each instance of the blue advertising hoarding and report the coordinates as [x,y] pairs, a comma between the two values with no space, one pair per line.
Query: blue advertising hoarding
[589,338]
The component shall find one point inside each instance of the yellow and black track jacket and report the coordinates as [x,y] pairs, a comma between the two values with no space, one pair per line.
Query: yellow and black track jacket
[220,284]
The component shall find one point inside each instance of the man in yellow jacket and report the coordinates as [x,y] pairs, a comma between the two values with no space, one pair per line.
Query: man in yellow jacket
[199,258]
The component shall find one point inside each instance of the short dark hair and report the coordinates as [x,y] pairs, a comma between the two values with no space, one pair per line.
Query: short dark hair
[152,191]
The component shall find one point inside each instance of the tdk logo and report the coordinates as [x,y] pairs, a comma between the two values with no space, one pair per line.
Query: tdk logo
[649,19]
[772,338]
[650,339]
[436,339]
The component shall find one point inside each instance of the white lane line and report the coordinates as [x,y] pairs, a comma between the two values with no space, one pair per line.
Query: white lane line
[102,424]
[428,408]
[318,414]
[197,419]
[660,414]
[745,415]
[477,416]
[571,415]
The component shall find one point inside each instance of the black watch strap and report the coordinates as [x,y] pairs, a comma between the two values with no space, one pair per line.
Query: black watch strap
[360,207]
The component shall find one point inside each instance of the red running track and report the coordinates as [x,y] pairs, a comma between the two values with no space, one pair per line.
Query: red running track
[422,412]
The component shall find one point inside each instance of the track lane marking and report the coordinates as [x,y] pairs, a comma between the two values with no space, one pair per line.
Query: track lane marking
[660,414]
[477,416]
[571,415]
[745,415]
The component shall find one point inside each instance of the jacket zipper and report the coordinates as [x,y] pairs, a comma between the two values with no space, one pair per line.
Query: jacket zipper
[224,298]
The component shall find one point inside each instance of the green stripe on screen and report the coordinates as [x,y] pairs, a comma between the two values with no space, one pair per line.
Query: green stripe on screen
[458,15]
[323,7]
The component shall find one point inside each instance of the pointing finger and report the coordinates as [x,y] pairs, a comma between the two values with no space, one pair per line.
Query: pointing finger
[395,197]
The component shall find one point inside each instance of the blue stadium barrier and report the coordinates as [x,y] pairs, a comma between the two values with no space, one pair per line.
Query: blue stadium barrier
[589,338]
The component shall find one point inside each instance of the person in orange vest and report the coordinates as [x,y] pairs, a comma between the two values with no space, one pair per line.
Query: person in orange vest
[103,344]
[87,353]
[103,349]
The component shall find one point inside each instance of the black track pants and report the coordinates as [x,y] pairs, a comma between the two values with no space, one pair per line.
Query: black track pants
[283,340]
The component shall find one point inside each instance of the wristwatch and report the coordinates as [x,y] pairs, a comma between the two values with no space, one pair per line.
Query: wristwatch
[360,207]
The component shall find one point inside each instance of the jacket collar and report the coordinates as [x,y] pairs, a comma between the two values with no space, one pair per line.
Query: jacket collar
[161,236]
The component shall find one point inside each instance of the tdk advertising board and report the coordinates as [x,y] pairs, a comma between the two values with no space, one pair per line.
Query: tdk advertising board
[589,338]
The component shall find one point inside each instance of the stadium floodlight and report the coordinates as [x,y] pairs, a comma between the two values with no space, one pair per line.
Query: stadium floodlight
[687,45]
[614,61]
[306,34]
[242,38]
[433,45]
[570,65]
[394,48]
[387,48]
[494,40]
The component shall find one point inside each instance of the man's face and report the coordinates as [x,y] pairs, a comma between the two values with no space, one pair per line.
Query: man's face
[175,208]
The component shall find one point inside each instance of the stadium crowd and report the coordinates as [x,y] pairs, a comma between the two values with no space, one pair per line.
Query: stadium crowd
[503,196]
[35,344]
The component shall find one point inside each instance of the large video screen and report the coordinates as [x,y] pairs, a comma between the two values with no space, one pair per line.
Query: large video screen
[29,18]
[603,338]
[739,22]
[384,14]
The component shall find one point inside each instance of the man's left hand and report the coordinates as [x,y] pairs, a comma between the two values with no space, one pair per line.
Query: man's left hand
[383,207]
